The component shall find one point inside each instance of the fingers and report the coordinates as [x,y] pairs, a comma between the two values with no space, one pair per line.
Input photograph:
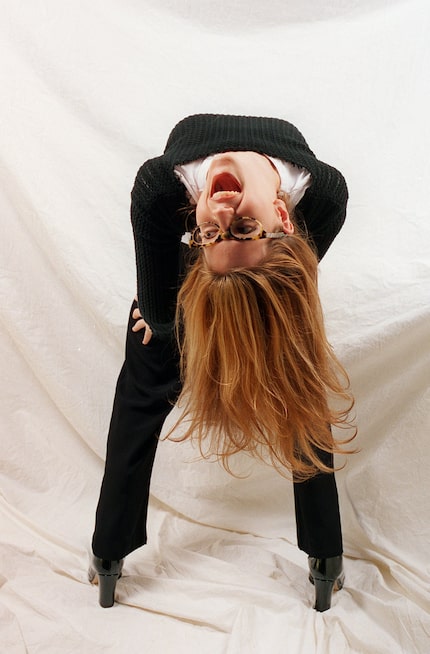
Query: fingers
[141,324]
[148,335]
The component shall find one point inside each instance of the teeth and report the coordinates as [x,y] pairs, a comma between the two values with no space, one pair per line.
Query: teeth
[224,194]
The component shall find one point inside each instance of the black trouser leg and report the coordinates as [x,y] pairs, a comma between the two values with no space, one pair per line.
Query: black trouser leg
[147,386]
[319,532]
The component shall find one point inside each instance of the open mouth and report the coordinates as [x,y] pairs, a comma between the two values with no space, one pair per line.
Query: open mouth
[225,185]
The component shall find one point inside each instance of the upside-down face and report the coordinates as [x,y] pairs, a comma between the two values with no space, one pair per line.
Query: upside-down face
[241,184]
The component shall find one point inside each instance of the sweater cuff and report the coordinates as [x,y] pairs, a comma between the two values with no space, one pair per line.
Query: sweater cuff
[163,330]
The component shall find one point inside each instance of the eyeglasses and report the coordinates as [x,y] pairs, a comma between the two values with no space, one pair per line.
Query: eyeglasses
[241,229]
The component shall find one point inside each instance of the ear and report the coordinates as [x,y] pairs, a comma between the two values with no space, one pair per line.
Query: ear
[282,210]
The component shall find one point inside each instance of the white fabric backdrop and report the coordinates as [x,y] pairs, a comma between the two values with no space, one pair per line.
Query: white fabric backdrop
[88,92]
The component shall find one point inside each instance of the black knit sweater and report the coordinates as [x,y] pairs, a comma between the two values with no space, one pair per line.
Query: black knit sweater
[158,194]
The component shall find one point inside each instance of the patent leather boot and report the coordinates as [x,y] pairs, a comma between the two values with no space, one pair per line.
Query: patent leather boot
[106,573]
[327,575]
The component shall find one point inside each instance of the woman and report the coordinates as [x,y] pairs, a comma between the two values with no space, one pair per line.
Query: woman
[233,168]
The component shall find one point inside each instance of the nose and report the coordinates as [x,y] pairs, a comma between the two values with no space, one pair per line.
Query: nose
[224,216]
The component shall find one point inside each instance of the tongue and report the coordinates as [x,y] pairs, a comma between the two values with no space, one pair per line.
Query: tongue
[225,182]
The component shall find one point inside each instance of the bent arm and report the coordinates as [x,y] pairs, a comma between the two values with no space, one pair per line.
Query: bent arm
[157,227]
[322,210]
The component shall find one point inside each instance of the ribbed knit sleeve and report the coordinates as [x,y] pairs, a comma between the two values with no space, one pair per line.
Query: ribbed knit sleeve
[155,199]
[323,207]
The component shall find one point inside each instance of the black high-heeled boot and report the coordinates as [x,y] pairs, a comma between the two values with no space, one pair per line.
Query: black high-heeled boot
[326,575]
[106,573]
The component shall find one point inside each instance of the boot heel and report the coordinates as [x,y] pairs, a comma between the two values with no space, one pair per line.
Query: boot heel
[106,573]
[107,584]
[323,593]
[327,575]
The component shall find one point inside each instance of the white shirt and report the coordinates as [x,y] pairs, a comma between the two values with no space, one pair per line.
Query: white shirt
[294,180]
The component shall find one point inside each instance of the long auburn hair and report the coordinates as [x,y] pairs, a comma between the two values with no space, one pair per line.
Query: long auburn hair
[258,372]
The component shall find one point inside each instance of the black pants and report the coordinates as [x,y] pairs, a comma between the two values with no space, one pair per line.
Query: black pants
[147,386]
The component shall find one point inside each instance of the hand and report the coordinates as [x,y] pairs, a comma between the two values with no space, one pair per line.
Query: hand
[141,324]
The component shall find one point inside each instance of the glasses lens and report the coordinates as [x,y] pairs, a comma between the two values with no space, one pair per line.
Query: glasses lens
[246,228]
[206,233]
